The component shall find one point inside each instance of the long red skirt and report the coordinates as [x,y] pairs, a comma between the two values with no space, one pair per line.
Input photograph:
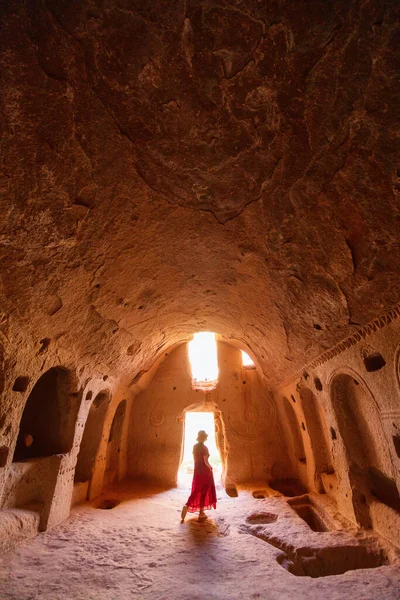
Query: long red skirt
[203,495]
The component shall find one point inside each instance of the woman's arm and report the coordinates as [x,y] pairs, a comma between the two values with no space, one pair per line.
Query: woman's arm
[206,461]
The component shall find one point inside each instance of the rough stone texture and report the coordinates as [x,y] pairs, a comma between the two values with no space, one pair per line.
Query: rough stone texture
[140,550]
[249,438]
[359,419]
[170,167]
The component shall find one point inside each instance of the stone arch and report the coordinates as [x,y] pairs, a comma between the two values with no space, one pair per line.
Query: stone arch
[48,421]
[220,431]
[365,444]
[296,439]
[114,444]
[92,437]
[317,428]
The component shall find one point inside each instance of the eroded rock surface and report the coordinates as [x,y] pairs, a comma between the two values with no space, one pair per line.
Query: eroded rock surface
[170,167]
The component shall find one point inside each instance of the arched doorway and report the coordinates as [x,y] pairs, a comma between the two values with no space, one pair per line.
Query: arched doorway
[295,437]
[48,421]
[208,417]
[194,422]
[114,445]
[365,446]
[91,438]
[316,428]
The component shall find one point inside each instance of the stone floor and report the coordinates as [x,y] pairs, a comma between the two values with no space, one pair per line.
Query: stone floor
[139,549]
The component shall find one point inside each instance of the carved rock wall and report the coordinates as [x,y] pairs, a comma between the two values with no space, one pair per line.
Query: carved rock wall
[359,415]
[251,448]
[196,165]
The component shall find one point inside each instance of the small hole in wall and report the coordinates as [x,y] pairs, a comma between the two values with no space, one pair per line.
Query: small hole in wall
[318,384]
[293,398]
[303,426]
[44,344]
[141,307]
[174,388]
[363,499]
[374,362]
[355,382]
[89,396]
[333,434]
[396,442]
[21,384]
[243,382]
[105,377]
[306,375]
[317,326]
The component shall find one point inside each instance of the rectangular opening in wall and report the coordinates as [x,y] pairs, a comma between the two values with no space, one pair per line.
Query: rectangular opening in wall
[195,422]
[203,360]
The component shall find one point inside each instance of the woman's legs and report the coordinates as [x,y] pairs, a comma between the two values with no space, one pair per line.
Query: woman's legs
[202,514]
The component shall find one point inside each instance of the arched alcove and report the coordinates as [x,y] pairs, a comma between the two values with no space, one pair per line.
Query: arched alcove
[114,444]
[91,437]
[365,445]
[48,421]
[296,438]
[316,427]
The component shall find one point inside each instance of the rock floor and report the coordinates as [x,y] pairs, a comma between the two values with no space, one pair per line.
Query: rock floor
[139,549]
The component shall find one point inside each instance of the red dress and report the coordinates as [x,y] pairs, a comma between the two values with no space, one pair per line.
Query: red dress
[203,494]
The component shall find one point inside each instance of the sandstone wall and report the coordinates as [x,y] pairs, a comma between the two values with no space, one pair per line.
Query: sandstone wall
[251,446]
[42,482]
[354,453]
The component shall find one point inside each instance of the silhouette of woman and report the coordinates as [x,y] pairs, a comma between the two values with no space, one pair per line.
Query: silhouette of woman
[203,495]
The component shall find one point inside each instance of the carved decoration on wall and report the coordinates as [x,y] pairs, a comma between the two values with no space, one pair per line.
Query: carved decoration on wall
[156,417]
[391,415]
[250,414]
[356,338]
[366,350]
[252,422]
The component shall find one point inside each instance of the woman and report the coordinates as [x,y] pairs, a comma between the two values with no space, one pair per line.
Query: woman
[203,496]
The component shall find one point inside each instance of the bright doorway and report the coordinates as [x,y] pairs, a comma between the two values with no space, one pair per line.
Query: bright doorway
[194,422]
[204,360]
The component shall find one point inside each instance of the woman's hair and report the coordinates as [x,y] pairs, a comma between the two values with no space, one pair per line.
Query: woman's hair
[202,435]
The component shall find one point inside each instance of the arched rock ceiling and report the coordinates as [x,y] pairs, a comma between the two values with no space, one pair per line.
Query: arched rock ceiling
[170,166]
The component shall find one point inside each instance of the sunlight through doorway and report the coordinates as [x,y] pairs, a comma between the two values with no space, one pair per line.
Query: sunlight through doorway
[194,422]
